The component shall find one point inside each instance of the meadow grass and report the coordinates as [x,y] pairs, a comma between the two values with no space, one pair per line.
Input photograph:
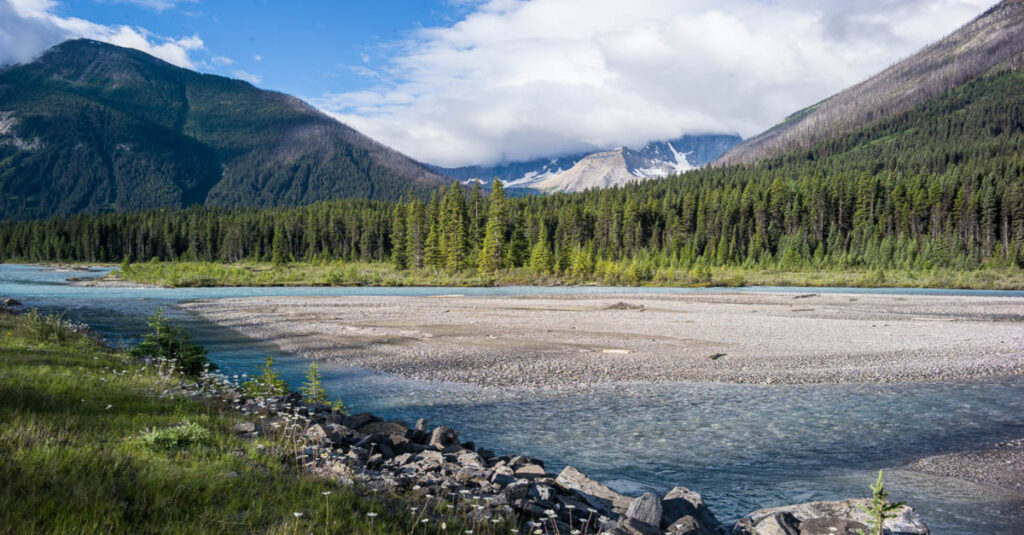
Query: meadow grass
[89,445]
[198,274]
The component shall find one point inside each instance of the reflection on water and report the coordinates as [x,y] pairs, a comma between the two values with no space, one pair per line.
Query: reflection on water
[743,446]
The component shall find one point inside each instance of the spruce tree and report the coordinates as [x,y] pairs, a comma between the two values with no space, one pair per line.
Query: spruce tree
[490,259]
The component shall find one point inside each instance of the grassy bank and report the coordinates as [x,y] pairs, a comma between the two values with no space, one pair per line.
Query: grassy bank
[195,274]
[88,445]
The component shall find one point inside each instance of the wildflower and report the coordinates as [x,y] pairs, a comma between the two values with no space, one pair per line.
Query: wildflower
[444,526]
[297,514]
[108,407]
[371,515]
[549,512]
[424,521]
[326,493]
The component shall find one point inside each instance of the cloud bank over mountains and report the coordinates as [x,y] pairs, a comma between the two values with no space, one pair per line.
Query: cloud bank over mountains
[27,27]
[521,79]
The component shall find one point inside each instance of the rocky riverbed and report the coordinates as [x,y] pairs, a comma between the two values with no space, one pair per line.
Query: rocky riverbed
[440,469]
[567,341]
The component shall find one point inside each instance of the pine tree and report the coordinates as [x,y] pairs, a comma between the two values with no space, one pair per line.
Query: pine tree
[279,252]
[454,234]
[494,237]
[313,390]
[399,257]
[541,260]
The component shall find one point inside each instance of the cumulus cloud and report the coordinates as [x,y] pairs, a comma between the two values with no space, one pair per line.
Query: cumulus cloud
[520,79]
[27,27]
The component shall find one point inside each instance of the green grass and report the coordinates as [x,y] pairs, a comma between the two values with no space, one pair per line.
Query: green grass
[87,445]
[196,274]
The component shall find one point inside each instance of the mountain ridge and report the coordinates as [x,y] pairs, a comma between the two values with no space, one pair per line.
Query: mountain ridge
[115,129]
[990,43]
[656,159]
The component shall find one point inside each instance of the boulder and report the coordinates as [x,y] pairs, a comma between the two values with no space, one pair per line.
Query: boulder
[680,502]
[831,526]
[778,524]
[906,522]
[316,433]
[243,428]
[470,458]
[595,493]
[293,397]
[358,420]
[687,525]
[384,428]
[543,495]
[646,509]
[630,526]
[442,437]
[10,302]
[530,471]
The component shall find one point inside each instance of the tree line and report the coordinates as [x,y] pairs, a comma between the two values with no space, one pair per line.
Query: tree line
[940,186]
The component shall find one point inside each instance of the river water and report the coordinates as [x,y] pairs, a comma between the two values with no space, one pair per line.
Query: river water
[743,447]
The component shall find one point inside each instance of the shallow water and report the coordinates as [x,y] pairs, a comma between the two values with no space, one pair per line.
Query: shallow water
[743,446]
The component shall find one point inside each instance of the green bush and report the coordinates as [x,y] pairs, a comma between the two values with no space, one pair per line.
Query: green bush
[267,383]
[169,342]
[180,436]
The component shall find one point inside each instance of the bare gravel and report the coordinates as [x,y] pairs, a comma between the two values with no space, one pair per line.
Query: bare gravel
[566,341]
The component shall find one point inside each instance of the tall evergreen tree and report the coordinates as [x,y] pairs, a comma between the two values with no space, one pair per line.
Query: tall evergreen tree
[492,249]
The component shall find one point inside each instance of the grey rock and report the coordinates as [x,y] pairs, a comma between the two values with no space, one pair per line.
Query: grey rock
[680,502]
[384,428]
[442,437]
[243,428]
[358,420]
[470,458]
[646,509]
[517,490]
[10,302]
[530,471]
[315,433]
[598,495]
[630,526]
[687,525]
[906,522]
[542,495]
[831,526]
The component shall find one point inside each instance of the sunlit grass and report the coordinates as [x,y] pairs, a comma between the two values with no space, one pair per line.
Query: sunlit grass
[89,445]
[197,274]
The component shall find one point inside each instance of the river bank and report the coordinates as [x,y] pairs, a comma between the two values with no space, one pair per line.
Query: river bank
[185,274]
[568,341]
[424,479]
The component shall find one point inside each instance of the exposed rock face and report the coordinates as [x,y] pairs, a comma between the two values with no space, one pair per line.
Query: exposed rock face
[991,43]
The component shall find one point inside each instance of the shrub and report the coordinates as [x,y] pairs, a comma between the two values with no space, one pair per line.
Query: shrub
[166,341]
[50,328]
[180,436]
[267,383]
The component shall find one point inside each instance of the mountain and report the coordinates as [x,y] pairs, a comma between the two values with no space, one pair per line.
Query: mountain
[617,166]
[92,127]
[991,43]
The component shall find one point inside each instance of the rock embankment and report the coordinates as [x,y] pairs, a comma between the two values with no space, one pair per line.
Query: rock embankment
[437,467]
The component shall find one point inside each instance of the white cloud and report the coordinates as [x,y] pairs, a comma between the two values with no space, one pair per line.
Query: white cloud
[521,79]
[257,58]
[253,79]
[156,5]
[27,27]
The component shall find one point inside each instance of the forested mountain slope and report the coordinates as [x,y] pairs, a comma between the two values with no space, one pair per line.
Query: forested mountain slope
[992,43]
[92,127]
[938,186]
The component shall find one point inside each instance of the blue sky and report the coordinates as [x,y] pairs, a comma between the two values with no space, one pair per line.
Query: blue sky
[318,48]
[464,82]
